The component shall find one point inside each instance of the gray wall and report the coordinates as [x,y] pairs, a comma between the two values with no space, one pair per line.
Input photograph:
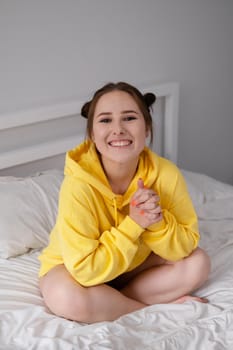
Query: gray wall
[54,50]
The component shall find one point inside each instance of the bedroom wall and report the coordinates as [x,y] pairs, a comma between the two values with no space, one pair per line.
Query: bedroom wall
[56,50]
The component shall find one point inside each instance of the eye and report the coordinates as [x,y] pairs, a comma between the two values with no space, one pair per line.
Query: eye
[105,120]
[129,118]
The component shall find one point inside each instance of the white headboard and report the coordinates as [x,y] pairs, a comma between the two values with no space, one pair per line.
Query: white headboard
[37,139]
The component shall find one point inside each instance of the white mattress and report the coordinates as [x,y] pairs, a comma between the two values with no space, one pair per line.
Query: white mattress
[25,322]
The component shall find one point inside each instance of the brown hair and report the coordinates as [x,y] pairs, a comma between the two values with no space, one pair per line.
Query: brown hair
[144,103]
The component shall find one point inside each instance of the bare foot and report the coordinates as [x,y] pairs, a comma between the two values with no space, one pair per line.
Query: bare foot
[185,298]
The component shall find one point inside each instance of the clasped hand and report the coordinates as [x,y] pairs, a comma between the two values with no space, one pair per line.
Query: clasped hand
[144,206]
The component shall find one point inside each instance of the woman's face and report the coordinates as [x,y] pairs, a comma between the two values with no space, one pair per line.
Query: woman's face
[119,129]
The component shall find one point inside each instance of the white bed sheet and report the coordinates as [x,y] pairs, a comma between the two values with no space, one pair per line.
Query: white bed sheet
[25,322]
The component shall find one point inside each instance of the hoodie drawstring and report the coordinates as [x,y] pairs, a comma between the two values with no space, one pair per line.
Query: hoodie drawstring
[115,211]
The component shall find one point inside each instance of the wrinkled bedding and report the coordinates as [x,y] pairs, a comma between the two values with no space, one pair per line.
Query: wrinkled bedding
[26,323]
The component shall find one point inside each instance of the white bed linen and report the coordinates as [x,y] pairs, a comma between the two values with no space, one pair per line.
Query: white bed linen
[25,322]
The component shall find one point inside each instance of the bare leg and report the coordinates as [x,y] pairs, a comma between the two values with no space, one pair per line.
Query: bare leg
[155,281]
[170,282]
[68,299]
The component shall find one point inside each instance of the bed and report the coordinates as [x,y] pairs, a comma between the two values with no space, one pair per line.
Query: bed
[31,171]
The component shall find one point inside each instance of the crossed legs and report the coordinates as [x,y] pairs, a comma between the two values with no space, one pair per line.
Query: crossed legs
[155,281]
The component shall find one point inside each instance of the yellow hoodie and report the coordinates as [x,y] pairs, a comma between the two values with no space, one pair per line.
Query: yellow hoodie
[96,239]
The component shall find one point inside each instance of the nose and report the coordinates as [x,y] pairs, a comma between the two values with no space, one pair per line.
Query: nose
[118,128]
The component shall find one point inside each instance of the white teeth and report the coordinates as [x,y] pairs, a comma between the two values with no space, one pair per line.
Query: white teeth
[120,143]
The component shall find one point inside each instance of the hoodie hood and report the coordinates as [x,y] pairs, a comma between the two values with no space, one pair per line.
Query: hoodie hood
[83,163]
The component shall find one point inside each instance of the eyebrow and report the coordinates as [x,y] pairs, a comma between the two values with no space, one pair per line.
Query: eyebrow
[129,111]
[122,112]
[103,114]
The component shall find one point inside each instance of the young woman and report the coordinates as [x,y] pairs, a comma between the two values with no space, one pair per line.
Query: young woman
[126,234]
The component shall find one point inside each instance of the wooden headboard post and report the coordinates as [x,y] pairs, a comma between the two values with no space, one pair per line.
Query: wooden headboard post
[170,93]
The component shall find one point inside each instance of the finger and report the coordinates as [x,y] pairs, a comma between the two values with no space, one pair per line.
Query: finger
[154,199]
[140,183]
[150,212]
[149,206]
[145,196]
[153,217]
[156,210]
[134,202]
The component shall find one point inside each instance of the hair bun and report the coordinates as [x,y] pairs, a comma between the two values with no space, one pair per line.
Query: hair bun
[149,98]
[85,109]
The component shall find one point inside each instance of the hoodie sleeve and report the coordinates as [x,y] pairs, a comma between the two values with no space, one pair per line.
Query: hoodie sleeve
[91,255]
[176,236]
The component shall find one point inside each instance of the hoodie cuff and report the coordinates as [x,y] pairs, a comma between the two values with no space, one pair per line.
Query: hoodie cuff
[158,226]
[130,228]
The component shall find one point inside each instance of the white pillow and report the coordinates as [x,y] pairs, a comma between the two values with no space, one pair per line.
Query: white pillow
[28,209]
[197,195]
[203,188]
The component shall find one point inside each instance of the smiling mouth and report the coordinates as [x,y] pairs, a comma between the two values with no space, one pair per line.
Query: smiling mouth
[120,143]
